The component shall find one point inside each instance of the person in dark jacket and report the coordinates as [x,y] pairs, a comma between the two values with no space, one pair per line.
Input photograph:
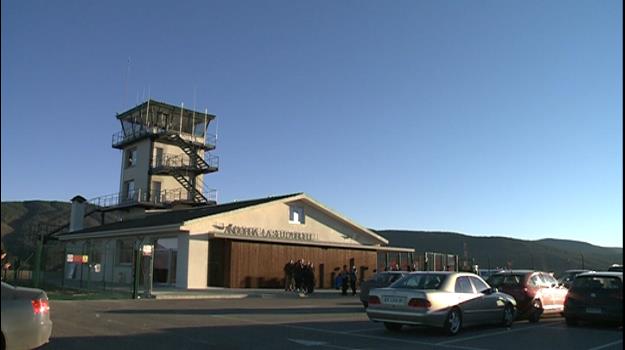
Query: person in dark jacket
[288,276]
[344,280]
[309,278]
[298,274]
[352,279]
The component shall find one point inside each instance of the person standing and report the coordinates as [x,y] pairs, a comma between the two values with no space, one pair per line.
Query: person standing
[288,276]
[344,280]
[311,278]
[352,279]
[298,271]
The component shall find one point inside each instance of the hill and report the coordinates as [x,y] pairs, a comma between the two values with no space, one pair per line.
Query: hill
[545,254]
[17,219]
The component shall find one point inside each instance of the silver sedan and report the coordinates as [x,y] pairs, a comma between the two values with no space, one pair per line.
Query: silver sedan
[25,318]
[449,300]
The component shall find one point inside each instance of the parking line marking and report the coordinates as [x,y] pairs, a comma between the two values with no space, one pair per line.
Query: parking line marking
[363,330]
[382,338]
[606,345]
[507,331]
[348,334]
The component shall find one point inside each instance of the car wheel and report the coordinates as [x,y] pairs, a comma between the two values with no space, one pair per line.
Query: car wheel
[508,315]
[536,311]
[453,323]
[393,327]
[570,321]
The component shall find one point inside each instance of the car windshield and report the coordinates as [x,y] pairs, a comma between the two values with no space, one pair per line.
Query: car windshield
[597,283]
[420,281]
[505,280]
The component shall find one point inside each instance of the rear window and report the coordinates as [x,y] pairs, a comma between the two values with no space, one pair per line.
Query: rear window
[505,280]
[597,283]
[420,281]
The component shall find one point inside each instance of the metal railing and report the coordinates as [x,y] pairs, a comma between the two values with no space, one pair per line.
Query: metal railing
[156,197]
[119,138]
[183,161]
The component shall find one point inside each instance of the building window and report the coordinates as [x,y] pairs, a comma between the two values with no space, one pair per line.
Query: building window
[131,157]
[296,215]
[129,190]
[123,252]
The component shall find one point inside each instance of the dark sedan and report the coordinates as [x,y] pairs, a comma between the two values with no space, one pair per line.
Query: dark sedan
[379,280]
[595,296]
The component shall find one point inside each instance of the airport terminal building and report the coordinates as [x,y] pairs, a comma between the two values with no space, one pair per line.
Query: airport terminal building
[188,240]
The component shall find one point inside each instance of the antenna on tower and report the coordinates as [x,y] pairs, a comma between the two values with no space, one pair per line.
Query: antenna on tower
[126,85]
[193,114]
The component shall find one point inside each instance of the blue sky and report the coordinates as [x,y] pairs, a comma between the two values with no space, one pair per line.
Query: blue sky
[484,117]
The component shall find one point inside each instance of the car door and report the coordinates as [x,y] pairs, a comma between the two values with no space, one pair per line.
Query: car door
[488,306]
[556,293]
[468,300]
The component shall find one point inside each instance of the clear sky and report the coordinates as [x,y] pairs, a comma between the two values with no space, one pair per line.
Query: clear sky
[484,117]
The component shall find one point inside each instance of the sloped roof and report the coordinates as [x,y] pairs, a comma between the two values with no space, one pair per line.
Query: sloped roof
[178,216]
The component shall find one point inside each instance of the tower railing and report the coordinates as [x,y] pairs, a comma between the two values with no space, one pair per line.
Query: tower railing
[142,196]
[122,137]
[182,161]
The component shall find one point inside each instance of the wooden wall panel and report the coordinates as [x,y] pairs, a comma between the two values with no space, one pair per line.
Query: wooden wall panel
[260,265]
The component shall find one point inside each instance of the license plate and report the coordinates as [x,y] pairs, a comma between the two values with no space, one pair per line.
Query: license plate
[593,310]
[394,300]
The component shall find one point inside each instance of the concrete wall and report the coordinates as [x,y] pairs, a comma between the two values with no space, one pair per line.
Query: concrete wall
[139,172]
[275,216]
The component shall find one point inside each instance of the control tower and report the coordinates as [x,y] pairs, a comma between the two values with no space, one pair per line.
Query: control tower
[166,151]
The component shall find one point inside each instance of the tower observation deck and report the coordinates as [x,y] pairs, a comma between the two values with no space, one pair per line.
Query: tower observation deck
[166,151]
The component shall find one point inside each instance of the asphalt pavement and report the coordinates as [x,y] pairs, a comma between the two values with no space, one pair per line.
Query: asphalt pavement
[289,323]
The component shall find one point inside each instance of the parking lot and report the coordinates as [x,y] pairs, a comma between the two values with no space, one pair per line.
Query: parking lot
[288,323]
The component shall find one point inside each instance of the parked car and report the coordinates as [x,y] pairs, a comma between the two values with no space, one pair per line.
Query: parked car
[568,276]
[25,317]
[450,300]
[616,268]
[536,292]
[379,280]
[595,296]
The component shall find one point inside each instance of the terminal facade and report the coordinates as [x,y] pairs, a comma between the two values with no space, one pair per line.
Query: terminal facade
[190,241]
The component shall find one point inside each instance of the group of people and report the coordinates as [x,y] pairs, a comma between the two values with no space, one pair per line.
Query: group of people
[299,276]
[346,279]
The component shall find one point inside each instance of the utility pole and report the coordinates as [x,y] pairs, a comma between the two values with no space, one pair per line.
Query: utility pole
[38,253]
[580,253]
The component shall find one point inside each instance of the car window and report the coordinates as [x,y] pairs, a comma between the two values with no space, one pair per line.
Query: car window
[505,280]
[463,285]
[420,281]
[478,284]
[597,283]
[536,281]
[548,279]
[393,277]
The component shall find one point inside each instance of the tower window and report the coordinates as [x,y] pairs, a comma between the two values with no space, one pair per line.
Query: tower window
[129,189]
[296,215]
[131,157]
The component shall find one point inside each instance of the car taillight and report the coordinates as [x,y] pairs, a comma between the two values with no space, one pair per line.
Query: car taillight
[40,306]
[373,300]
[419,303]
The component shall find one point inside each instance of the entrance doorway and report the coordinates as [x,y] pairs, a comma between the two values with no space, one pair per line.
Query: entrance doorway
[165,254]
